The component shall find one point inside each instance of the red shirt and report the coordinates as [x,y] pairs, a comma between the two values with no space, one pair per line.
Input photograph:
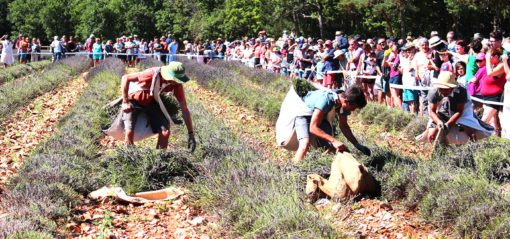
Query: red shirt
[145,81]
[491,85]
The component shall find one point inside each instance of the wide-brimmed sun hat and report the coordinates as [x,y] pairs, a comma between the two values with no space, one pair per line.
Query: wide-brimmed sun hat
[408,46]
[338,53]
[445,80]
[174,72]
[435,41]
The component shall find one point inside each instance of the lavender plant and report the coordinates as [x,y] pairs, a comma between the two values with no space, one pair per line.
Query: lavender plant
[51,179]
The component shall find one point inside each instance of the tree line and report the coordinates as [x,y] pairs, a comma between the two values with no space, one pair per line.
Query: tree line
[234,19]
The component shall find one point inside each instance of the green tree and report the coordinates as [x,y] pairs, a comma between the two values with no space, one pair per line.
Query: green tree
[5,26]
[99,17]
[24,18]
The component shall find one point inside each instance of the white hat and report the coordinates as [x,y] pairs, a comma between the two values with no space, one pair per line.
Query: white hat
[434,41]
[338,53]
[92,35]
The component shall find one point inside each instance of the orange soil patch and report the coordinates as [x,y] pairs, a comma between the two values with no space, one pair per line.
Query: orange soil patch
[32,124]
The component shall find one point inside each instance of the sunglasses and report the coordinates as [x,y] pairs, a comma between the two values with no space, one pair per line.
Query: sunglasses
[478,61]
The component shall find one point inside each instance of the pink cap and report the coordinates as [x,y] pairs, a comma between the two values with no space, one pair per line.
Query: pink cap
[328,42]
[480,56]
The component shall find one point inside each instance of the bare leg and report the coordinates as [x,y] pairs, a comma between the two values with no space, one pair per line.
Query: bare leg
[129,137]
[388,98]
[365,90]
[163,136]
[371,92]
[304,145]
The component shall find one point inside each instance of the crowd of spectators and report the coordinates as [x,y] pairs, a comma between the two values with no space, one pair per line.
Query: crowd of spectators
[394,72]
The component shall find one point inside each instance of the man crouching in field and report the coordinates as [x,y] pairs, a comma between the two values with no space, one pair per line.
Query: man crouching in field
[307,117]
[144,95]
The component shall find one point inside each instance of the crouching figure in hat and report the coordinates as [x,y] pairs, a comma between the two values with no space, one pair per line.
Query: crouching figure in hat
[141,93]
[451,115]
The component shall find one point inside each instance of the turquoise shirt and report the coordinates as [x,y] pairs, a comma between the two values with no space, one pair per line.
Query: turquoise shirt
[319,99]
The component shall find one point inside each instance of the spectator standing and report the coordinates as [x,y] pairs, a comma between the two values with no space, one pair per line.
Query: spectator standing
[445,58]
[408,68]
[164,50]
[157,49]
[423,74]
[469,59]
[89,44]
[18,44]
[97,50]
[173,48]
[330,64]
[395,76]
[6,57]
[343,43]
[23,50]
[340,79]
[451,42]
[119,48]
[130,51]
[142,49]
[71,46]
[169,39]
[474,87]
[57,48]
[367,68]
[460,71]
[355,52]
[108,48]
[36,49]
[383,70]
[63,43]
[492,88]
[505,125]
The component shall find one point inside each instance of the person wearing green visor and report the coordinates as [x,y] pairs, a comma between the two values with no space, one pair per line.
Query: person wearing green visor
[140,93]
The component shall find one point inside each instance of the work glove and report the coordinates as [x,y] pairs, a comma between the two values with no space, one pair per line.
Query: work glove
[364,149]
[192,144]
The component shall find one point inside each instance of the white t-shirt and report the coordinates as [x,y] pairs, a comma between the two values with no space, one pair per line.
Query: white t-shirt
[422,61]
[408,77]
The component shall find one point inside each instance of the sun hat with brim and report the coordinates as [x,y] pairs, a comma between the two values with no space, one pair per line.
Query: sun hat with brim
[445,80]
[443,51]
[174,72]
[434,41]
[408,46]
[338,53]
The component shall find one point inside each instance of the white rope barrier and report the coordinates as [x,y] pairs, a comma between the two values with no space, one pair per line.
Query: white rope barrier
[350,73]
[115,54]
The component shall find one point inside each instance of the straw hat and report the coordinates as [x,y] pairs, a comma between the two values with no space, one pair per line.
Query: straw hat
[174,72]
[445,80]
